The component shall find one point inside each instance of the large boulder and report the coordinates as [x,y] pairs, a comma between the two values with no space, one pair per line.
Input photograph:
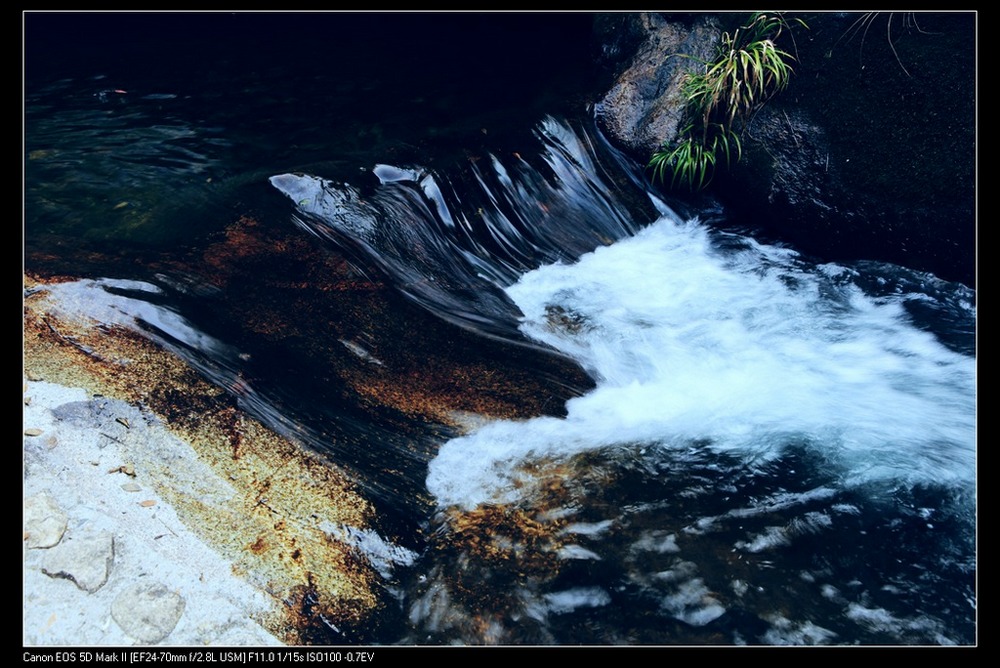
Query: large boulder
[868,154]
[649,55]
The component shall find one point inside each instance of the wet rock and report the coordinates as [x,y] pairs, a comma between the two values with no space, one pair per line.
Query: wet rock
[44,521]
[644,107]
[148,612]
[884,168]
[868,154]
[85,559]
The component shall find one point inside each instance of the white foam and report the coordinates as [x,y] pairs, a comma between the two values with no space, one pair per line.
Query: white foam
[95,299]
[786,632]
[746,350]
[693,603]
[657,542]
[571,599]
[383,555]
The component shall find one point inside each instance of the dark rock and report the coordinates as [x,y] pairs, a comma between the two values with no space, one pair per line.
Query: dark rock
[644,107]
[868,154]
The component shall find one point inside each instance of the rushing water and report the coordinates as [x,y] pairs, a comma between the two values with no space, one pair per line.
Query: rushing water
[773,445]
[778,450]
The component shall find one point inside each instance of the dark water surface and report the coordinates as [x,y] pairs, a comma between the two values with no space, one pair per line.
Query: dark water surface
[152,119]
[769,449]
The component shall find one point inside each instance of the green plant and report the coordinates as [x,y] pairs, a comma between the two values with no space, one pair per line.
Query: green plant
[748,70]
[692,159]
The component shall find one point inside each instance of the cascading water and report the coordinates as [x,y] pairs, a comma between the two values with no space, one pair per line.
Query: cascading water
[456,260]
[777,450]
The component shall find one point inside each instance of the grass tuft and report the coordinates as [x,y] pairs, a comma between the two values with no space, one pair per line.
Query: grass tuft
[748,70]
